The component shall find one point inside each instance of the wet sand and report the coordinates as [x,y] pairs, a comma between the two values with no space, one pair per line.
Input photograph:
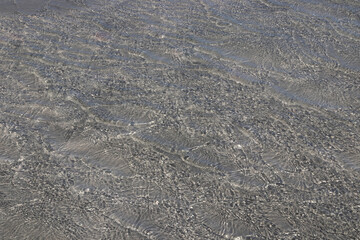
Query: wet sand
[179,119]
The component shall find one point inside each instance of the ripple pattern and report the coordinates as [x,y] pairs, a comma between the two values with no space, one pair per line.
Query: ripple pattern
[186,119]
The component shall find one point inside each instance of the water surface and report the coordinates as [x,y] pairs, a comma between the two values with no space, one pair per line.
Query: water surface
[179,119]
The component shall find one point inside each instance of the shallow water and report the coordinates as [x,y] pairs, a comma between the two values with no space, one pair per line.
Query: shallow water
[179,119]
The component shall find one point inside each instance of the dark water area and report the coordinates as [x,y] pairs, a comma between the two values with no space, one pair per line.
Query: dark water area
[194,119]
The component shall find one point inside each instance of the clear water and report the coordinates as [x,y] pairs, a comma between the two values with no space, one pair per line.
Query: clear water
[209,119]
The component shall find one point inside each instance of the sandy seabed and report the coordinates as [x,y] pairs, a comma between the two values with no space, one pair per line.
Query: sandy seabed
[231,119]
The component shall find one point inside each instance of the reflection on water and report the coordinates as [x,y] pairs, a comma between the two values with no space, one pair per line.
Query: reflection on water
[179,119]
[11,7]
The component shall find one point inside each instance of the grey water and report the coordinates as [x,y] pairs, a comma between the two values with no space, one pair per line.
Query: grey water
[192,119]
